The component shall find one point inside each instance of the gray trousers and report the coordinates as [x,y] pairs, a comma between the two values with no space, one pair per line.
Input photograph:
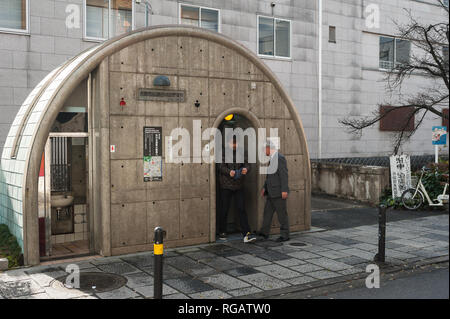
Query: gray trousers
[279,205]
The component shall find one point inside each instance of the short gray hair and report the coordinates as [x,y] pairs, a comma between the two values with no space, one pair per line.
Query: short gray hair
[270,144]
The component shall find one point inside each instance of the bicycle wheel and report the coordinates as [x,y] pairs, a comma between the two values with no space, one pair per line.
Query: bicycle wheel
[411,201]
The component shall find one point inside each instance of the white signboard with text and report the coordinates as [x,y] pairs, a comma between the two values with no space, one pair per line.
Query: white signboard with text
[400,174]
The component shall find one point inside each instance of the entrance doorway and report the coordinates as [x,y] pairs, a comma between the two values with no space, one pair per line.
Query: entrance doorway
[250,188]
[64,216]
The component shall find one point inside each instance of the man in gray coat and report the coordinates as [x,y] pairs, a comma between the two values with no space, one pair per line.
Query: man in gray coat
[276,191]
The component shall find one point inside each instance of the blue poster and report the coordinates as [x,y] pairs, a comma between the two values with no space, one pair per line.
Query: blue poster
[439,136]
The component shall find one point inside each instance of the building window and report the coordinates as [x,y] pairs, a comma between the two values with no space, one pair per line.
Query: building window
[14,15]
[396,120]
[108,18]
[202,17]
[393,52]
[274,37]
[332,34]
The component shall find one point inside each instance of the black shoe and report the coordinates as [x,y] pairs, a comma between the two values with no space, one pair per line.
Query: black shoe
[263,236]
[282,239]
[223,236]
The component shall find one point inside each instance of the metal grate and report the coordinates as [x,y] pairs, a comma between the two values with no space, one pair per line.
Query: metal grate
[60,164]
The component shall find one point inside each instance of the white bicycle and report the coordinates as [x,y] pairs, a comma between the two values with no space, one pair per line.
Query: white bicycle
[413,198]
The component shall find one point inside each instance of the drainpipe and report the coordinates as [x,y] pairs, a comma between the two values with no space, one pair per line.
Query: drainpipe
[319,134]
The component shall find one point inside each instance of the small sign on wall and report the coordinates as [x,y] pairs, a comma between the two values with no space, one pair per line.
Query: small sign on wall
[152,153]
[439,136]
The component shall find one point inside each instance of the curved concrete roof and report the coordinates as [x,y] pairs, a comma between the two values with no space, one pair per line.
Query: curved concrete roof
[25,143]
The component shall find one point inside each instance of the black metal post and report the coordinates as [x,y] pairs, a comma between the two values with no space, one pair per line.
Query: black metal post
[381,256]
[158,252]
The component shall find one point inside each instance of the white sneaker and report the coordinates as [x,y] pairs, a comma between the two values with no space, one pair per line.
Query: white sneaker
[248,238]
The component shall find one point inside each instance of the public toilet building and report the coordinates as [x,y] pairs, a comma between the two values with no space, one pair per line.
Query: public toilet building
[78,172]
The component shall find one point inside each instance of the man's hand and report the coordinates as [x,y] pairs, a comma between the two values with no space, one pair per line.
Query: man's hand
[262,192]
[244,171]
[232,173]
[284,195]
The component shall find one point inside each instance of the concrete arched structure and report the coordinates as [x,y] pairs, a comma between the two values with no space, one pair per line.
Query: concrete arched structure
[222,63]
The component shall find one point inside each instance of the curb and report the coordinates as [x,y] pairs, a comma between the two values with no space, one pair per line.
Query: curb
[385,269]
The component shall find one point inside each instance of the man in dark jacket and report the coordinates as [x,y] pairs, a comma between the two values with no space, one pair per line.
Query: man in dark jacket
[276,191]
[231,182]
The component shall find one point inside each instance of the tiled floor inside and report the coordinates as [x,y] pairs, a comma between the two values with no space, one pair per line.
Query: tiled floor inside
[73,248]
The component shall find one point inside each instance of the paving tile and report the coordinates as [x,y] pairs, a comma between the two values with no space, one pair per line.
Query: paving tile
[332,254]
[304,255]
[119,268]
[242,271]
[329,264]
[352,260]
[264,282]
[140,261]
[188,285]
[121,293]
[301,280]
[200,255]
[190,266]
[290,262]
[105,260]
[412,243]
[350,271]
[139,280]
[249,260]
[272,255]
[211,294]
[148,291]
[315,249]
[307,268]
[335,246]
[244,291]
[278,271]
[359,253]
[224,282]
[323,274]
[365,246]
[221,263]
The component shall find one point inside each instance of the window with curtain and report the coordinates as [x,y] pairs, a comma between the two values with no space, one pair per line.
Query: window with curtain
[200,17]
[108,18]
[274,37]
[393,52]
[13,15]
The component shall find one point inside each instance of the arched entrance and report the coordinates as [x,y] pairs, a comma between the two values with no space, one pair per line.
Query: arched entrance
[241,119]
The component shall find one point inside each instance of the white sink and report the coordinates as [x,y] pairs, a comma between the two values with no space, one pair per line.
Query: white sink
[61,201]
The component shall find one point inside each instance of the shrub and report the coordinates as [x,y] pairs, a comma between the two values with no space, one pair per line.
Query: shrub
[9,247]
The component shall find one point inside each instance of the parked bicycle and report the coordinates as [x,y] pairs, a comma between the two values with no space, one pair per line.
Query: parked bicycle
[413,198]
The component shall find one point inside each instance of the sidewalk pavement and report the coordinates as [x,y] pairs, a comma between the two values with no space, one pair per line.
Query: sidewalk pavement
[234,269]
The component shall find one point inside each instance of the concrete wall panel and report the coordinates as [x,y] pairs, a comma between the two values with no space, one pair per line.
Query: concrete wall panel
[193,56]
[197,91]
[194,217]
[127,136]
[165,214]
[128,224]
